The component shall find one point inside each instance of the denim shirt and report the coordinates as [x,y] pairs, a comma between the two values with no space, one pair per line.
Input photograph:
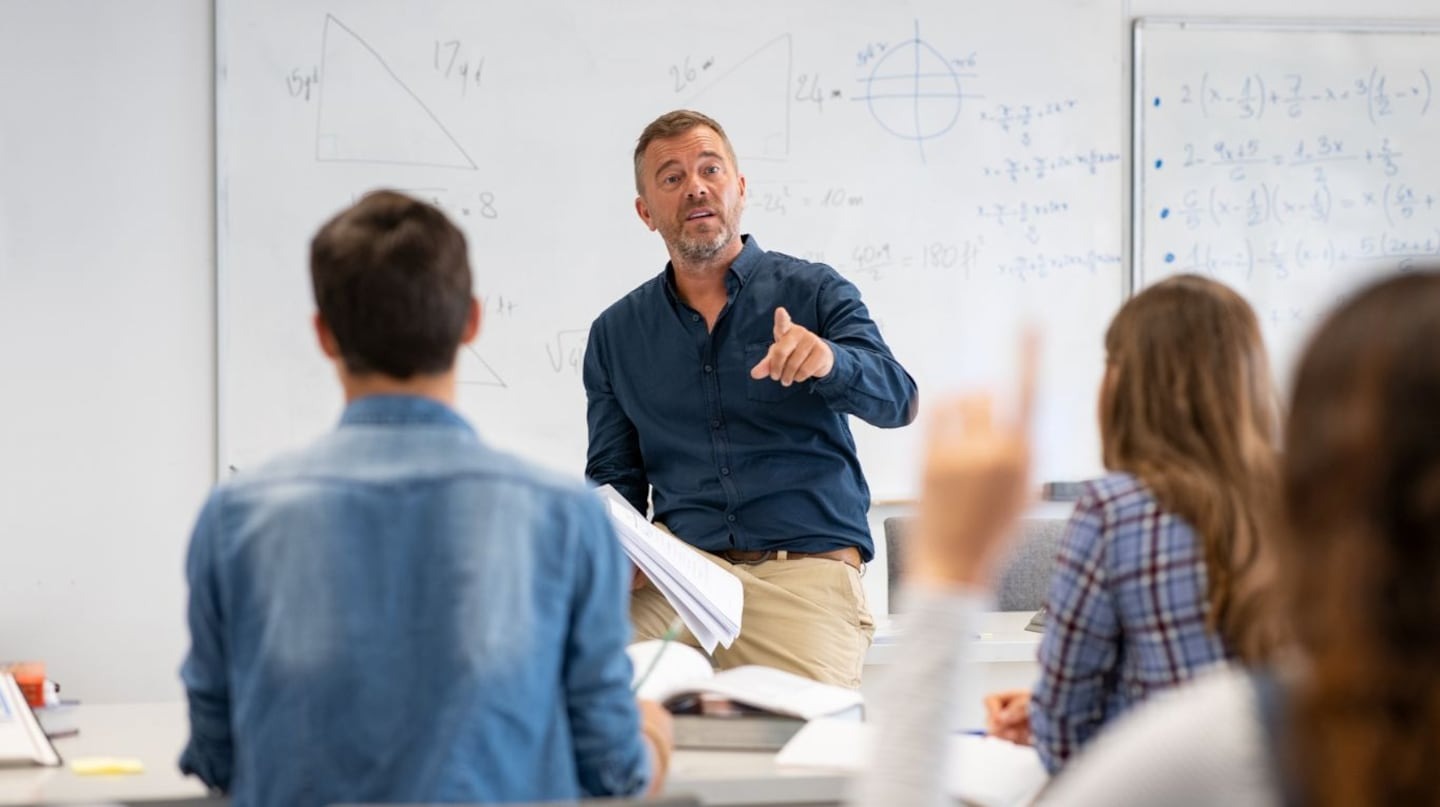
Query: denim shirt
[735,462]
[399,613]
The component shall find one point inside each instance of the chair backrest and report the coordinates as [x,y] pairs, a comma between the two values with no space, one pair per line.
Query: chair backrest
[1024,577]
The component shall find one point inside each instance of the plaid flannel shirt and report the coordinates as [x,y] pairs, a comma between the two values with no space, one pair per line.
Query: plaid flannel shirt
[1127,610]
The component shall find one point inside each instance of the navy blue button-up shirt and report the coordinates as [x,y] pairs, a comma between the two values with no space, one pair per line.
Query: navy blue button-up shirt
[735,462]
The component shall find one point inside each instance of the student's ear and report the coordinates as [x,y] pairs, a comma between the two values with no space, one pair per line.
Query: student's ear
[643,210]
[326,338]
[472,323]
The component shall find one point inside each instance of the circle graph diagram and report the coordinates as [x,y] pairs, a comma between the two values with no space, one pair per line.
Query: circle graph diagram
[914,92]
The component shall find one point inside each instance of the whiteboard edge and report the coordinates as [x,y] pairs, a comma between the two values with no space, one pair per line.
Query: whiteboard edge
[1415,25]
[222,443]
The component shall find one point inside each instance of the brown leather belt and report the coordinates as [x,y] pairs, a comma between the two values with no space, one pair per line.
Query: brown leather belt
[850,556]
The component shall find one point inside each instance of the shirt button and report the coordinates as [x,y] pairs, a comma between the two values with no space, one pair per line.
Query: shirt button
[694,317]
[730,518]
[714,424]
[708,368]
[724,471]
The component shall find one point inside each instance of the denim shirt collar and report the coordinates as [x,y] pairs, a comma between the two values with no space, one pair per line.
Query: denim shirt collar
[735,278]
[402,409]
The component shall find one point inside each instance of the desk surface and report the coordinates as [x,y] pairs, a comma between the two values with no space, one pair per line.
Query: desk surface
[155,733]
[1002,639]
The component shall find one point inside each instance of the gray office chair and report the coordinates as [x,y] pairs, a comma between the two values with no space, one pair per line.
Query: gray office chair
[1024,576]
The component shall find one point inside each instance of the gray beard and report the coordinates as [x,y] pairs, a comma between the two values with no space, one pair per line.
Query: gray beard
[697,251]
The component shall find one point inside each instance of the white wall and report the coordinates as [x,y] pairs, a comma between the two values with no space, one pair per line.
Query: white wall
[106,323]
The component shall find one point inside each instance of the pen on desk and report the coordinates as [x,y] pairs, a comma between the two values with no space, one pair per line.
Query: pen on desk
[670,634]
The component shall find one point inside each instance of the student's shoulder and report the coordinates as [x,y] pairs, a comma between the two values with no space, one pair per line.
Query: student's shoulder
[1118,491]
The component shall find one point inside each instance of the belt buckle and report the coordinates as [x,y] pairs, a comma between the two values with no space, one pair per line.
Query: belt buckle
[761,558]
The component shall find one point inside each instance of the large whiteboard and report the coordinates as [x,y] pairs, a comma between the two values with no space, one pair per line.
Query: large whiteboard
[962,163]
[1293,163]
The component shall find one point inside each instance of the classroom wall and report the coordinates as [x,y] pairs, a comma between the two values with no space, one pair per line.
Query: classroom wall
[107,413]
[106,324]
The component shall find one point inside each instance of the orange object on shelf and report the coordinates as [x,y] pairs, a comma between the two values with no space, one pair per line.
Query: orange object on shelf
[30,675]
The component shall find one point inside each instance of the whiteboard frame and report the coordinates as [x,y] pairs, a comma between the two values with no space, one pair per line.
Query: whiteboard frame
[1260,24]
[222,59]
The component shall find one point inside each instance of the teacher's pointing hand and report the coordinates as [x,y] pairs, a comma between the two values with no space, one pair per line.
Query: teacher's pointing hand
[797,354]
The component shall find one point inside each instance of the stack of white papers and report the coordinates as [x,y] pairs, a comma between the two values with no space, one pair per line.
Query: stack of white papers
[979,770]
[708,598]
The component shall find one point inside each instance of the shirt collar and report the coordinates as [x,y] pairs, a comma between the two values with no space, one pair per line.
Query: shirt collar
[397,409]
[740,268]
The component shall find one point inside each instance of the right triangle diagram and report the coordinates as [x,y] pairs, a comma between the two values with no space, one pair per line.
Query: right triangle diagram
[755,93]
[472,369]
[368,115]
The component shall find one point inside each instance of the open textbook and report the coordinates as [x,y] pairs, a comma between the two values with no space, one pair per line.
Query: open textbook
[707,597]
[745,708]
[22,742]
[682,671]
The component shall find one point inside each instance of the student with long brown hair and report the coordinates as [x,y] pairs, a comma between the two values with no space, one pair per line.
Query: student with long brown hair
[1147,588]
[1352,717]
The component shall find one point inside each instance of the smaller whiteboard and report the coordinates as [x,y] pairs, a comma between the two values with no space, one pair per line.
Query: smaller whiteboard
[1294,163]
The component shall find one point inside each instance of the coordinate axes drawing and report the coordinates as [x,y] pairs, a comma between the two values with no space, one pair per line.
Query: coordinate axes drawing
[915,92]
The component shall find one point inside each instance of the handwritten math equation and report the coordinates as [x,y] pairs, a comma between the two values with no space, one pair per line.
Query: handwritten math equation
[1265,203]
[1280,258]
[1378,93]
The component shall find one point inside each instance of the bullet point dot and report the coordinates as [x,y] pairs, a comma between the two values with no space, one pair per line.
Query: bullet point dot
[1159,163]
[1157,100]
[1164,212]
[1169,257]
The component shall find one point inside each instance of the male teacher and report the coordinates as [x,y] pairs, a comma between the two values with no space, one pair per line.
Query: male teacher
[398,612]
[723,386]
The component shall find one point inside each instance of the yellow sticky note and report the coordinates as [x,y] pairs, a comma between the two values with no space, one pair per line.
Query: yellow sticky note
[106,766]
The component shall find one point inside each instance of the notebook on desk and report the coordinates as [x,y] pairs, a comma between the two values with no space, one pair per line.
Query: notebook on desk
[22,742]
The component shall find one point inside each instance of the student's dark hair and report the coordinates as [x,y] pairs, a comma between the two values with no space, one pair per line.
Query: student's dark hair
[1361,555]
[392,281]
[674,124]
[1189,408]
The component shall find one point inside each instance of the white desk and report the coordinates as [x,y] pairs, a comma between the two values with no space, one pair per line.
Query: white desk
[1004,657]
[155,733]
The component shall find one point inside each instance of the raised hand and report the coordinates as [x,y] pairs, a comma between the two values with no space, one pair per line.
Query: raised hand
[975,485]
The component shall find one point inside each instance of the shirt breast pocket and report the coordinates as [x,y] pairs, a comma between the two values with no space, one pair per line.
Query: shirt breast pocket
[763,389]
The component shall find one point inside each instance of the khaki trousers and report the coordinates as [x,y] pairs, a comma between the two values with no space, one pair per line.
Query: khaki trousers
[802,615]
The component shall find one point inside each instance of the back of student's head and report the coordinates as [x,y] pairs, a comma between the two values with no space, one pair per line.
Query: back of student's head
[1361,557]
[1188,407]
[392,282]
